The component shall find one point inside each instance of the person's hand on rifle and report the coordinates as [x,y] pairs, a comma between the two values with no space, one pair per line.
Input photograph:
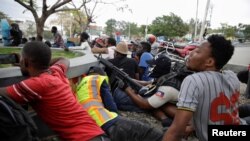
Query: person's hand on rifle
[122,85]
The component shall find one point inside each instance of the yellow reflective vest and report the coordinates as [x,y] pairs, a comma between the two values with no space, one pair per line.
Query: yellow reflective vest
[89,95]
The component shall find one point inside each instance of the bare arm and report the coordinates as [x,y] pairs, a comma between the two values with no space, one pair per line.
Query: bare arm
[60,60]
[99,50]
[144,83]
[177,129]
[137,99]
[137,76]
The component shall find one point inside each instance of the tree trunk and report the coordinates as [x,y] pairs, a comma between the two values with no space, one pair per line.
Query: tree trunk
[40,28]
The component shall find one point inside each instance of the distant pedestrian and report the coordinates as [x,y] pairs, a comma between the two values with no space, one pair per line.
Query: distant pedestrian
[15,34]
[58,40]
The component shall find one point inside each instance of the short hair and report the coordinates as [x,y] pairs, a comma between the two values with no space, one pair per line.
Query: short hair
[222,50]
[111,41]
[96,69]
[24,40]
[38,53]
[54,29]
[84,35]
[146,46]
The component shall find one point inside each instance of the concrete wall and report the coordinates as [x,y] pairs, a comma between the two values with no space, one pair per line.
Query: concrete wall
[78,66]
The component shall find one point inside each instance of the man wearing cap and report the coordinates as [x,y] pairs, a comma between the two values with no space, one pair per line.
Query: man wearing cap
[94,94]
[135,46]
[128,65]
[120,60]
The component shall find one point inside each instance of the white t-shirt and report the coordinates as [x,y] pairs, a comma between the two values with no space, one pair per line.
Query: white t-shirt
[84,45]
[111,52]
[163,95]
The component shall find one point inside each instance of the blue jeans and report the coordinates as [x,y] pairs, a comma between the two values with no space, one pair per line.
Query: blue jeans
[124,102]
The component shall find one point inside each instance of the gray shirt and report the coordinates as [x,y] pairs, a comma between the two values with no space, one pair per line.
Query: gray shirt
[210,95]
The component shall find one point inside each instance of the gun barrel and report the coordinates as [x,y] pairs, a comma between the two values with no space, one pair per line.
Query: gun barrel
[122,75]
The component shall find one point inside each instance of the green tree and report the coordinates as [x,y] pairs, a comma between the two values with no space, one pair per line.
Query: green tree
[230,31]
[170,26]
[246,31]
[133,30]
[110,27]
[121,26]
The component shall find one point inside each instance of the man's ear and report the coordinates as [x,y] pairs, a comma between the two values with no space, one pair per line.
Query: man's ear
[210,62]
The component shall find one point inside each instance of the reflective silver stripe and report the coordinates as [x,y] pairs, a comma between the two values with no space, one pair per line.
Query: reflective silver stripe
[104,114]
[94,87]
[92,103]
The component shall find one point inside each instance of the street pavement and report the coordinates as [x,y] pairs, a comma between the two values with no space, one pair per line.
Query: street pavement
[241,55]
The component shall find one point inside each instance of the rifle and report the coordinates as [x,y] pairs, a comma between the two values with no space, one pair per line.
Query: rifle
[122,75]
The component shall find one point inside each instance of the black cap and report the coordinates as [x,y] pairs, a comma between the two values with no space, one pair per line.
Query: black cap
[96,69]
[162,66]
[135,43]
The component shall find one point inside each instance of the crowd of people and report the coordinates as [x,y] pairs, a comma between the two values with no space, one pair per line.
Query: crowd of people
[184,103]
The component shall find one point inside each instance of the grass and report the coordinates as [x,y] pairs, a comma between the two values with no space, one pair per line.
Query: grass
[55,54]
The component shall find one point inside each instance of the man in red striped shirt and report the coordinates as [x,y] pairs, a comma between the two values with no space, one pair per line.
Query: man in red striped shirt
[48,91]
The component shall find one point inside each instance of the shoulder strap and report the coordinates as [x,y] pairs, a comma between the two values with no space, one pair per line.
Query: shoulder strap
[7,108]
[165,77]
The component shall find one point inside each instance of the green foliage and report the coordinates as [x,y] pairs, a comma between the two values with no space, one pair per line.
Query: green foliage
[170,26]
[110,27]
[247,31]
[134,29]
[55,53]
[125,28]
[230,31]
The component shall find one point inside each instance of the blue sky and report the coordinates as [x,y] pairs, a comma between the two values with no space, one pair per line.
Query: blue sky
[231,12]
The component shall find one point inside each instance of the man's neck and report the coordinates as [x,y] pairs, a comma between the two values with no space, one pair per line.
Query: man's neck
[37,72]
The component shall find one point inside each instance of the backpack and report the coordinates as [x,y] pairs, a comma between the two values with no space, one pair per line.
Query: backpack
[174,78]
[15,122]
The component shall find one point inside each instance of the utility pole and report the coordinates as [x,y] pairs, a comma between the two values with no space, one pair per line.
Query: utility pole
[129,30]
[204,20]
[211,12]
[196,19]
[146,29]
[70,28]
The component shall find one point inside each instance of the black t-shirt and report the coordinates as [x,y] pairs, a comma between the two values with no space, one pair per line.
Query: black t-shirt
[16,36]
[128,65]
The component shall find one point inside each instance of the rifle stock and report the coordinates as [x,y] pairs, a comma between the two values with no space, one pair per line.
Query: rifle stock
[120,74]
